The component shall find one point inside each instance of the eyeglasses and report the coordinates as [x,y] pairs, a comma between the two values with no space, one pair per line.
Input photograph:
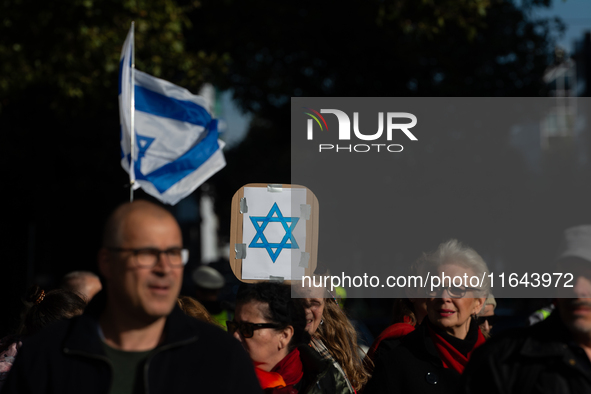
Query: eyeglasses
[491,320]
[247,329]
[148,257]
[453,291]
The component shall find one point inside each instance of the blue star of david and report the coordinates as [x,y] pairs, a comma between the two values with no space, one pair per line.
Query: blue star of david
[143,143]
[260,235]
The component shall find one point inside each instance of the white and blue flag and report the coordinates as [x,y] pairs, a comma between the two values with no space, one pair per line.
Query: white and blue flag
[175,140]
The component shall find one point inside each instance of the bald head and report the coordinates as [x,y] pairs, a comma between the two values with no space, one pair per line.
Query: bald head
[115,233]
[140,293]
[84,283]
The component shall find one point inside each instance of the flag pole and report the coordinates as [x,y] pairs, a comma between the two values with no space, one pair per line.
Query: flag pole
[132,127]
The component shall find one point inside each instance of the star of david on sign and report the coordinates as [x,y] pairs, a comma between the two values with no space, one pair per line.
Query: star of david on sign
[288,241]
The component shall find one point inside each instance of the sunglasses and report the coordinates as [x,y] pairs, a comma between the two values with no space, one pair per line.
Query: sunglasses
[491,320]
[247,329]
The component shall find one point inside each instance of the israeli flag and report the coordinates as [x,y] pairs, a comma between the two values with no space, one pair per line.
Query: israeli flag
[174,145]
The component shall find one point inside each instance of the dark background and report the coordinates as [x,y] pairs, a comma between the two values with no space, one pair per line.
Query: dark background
[60,126]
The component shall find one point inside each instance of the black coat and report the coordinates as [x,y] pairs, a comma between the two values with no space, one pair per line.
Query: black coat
[538,359]
[410,365]
[320,376]
[196,357]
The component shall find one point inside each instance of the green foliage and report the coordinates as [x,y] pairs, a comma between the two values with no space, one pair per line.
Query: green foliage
[430,18]
[59,117]
[74,46]
[369,48]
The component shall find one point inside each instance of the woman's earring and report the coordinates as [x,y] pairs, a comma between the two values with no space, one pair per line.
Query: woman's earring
[321,321]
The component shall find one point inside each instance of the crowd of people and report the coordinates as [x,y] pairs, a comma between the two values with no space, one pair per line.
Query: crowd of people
[132,332]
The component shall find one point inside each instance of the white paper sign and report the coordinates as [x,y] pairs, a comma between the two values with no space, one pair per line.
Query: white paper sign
[274,233]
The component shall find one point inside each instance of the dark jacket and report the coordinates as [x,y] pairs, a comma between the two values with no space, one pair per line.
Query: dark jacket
[320,376]
[409,365]
[538,359]
[67,357]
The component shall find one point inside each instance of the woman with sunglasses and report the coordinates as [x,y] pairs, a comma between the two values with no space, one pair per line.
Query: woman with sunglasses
[432,358]
[486,318]
[272,328]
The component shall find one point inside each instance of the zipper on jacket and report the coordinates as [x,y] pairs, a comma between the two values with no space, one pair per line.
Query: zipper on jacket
[93,356]
[160,350]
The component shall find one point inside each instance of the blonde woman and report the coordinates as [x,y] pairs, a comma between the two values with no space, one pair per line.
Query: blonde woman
[195,309]
[432,358]
[334,337]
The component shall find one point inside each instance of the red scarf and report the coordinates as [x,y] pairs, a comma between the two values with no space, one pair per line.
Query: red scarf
[450,356]
[397,330]
[287,372]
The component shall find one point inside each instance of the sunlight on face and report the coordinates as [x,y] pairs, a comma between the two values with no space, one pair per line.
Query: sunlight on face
[453,314]
[314,310]
[264,347]
[574,305]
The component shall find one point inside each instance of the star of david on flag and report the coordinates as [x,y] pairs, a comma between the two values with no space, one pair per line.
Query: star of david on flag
[260,241]
[173,146]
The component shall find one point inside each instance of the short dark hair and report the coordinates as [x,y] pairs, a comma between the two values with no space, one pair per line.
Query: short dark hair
[49,307]
[282,309]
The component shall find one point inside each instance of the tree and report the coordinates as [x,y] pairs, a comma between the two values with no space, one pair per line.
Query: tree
[60,127]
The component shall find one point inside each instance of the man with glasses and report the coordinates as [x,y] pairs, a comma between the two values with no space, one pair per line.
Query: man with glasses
[553,356]
[132,337]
